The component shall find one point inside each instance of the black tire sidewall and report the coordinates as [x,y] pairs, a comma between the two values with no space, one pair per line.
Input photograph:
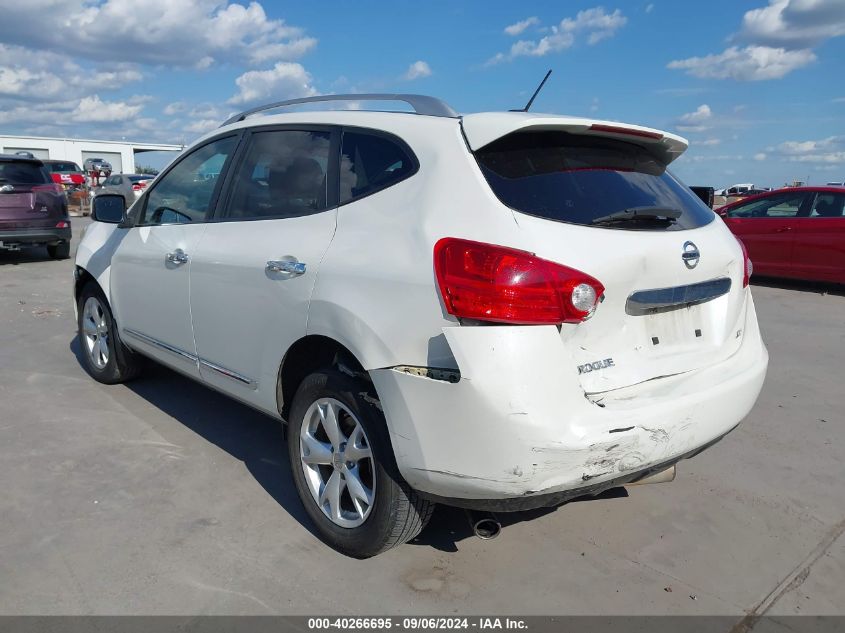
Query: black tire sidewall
[369,538]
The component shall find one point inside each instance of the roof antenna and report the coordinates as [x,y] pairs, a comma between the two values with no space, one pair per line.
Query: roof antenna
[536,92]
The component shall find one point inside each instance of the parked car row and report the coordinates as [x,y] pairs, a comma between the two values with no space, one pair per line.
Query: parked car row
[33,207]
[797,232]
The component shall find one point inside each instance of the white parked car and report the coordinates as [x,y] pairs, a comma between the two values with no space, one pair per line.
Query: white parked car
[496,311]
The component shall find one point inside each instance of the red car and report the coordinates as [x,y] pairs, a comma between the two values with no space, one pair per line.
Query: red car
[796,232]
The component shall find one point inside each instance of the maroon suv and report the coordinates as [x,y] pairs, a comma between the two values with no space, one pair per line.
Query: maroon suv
[33,208]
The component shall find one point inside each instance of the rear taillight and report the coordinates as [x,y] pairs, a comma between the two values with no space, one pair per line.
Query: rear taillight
[136,187]
[57,178]
[62,225]
[52,187]
[747,266]
[495,283]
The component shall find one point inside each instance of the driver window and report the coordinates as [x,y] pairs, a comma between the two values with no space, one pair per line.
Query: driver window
[786,206]
[185,193]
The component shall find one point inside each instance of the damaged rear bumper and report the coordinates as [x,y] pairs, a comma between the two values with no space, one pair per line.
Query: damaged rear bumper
[517,430]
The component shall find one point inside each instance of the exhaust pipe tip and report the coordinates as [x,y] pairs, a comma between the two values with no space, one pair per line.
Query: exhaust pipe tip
[487,528]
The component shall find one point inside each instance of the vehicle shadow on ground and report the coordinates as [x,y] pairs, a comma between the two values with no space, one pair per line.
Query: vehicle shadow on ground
[258,441]
[247,435]
[25,256]
[800,286]
[449,526]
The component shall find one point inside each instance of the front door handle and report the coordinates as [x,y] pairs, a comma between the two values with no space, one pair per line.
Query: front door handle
[290,266]
[783,229]
[177,257]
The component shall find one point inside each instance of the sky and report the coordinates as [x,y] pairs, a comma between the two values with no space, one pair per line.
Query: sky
[755,86]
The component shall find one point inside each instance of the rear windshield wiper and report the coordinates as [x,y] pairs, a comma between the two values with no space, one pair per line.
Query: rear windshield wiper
[637,214]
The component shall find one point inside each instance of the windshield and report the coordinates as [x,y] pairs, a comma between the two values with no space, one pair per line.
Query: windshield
[580,179]
[62,168]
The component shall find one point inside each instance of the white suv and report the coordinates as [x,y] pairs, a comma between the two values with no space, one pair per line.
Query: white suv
[497,311]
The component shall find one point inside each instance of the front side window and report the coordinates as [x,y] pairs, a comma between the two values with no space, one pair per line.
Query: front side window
[282,175]
[370,163]
[588,180]
[185,194]
[781,206]
[828,205]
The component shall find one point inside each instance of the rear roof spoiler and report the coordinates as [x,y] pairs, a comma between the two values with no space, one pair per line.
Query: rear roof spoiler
[484,128]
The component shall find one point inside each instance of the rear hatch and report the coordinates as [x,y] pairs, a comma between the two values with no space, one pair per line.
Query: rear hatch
[598,197]
[28,197]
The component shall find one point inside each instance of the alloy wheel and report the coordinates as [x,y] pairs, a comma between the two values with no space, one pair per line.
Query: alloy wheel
[338,463]
[95,332]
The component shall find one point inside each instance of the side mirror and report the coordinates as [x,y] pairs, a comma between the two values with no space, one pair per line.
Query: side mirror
[108,207]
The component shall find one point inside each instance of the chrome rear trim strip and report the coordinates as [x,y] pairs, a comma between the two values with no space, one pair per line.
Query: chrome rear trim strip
[663,299]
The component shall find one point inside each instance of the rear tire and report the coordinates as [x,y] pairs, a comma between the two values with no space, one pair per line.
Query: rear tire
[104,355]
[358,459]
[59,251]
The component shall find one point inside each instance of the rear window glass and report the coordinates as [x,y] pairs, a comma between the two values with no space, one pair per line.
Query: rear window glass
[580,180]
[62,168]
[22,173]
[137,178]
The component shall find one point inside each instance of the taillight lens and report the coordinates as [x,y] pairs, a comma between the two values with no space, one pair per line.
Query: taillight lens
[52,187]
[747,266]
[504,285]
[136,187]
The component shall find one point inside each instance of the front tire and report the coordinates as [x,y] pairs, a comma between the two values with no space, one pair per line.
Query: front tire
[344,469]
[104,355]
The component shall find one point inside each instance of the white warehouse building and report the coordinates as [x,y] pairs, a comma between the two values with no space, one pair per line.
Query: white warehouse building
[121,154]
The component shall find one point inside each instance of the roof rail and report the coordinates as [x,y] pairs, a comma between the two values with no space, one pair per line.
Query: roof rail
[421,104]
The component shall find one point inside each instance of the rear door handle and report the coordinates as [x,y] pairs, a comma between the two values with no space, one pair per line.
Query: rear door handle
[177,257]
[783,229]
[291,266]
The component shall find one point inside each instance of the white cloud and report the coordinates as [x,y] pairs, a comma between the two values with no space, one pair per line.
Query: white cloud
[826,150]
[184,34]
[93,109]
[760,156]
[710,142]
[417,70]
[594,105]
[174,108]
[696,121]
[518,27]
[752,63]
[779,39]
[649,7]
[595,23]
[794,24]
[45,76]
[286,80]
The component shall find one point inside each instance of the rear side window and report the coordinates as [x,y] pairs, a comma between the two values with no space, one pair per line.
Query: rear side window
[828,205]
[282,175]
[371,162]
[580,179]
[22,173]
